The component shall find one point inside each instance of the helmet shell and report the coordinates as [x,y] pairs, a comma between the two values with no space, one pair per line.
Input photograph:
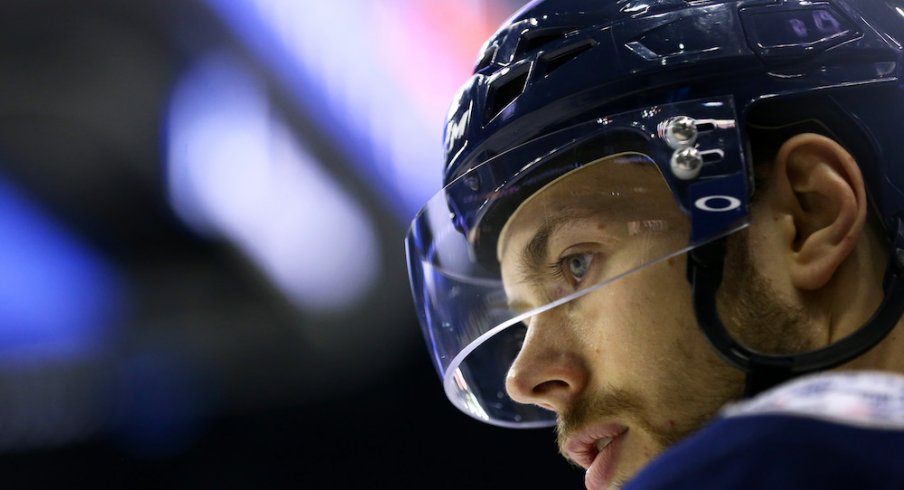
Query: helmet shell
[557,63]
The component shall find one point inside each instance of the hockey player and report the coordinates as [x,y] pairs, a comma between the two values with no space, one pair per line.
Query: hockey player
[662,216]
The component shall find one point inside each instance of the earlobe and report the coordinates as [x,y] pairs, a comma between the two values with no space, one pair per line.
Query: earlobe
[820,186]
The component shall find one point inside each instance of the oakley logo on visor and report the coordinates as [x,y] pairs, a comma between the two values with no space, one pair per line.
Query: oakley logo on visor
[718,204]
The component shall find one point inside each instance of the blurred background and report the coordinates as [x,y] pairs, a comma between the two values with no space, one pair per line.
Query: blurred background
[202,275]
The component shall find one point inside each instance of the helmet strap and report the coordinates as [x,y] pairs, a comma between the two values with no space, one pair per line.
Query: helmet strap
[704,272]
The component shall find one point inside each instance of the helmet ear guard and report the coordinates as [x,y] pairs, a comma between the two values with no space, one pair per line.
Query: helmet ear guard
[704,272]
[823,115]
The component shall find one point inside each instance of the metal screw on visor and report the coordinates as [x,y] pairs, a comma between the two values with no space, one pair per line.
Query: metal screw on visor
[686,163]
[680,132]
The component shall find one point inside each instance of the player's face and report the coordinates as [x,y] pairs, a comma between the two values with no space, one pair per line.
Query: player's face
[627,361]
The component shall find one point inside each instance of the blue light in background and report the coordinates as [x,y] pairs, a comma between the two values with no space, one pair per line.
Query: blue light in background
[235,170]
[58,298]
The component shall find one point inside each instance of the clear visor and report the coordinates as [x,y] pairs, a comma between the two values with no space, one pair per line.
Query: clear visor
[555,220]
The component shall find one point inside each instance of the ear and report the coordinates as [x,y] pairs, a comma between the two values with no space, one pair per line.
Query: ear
[820,186]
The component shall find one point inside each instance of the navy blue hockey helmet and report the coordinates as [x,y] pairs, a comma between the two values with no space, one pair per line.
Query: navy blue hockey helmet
[588,95]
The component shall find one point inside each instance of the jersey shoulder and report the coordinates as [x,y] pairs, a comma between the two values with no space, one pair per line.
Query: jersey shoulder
[828,431]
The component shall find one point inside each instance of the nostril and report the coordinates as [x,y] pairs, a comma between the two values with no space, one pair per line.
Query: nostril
[550,386]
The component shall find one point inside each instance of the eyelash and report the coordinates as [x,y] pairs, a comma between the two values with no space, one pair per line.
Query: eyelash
[557,268]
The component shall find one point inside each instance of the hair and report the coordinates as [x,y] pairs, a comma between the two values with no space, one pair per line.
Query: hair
[771,124]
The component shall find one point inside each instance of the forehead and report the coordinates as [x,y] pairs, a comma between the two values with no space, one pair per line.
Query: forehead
[610,190]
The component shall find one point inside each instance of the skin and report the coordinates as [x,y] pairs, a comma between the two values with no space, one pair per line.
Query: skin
[806,273]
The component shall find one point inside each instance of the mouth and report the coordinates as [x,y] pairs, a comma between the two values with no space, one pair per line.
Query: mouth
[596,449]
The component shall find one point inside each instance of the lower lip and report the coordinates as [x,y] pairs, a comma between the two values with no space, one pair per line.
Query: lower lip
[599,475]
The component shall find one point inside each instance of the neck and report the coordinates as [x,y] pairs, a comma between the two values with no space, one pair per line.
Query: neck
[856,297]
[886,356]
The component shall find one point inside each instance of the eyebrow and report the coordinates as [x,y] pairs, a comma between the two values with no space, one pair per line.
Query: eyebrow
[533,256]
[534,253]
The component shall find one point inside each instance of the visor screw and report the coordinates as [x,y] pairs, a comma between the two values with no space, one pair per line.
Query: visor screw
[686,163]
[680,132]
[473,182]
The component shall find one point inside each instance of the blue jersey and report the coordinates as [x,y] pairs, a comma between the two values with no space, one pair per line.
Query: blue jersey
[828,431]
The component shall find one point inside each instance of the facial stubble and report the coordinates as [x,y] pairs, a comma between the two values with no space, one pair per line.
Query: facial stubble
[754,313]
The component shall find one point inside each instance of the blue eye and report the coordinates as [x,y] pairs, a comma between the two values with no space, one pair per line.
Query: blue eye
[578,265]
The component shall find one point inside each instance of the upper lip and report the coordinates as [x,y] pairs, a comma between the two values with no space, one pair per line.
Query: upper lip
[581,446]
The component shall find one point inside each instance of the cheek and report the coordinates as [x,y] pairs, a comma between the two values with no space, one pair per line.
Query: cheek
[556,292]
[768,239]
[613,323]
[637,324]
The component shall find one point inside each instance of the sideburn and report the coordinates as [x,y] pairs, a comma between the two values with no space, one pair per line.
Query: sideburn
[753,311]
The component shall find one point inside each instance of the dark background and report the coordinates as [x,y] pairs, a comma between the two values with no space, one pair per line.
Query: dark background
[144,346]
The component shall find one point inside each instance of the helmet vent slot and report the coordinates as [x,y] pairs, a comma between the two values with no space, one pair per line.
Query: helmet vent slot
[487,58]
[505,90]
[557,58]
[535,39]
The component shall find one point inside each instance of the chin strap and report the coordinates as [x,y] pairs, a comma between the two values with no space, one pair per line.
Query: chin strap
[704,271]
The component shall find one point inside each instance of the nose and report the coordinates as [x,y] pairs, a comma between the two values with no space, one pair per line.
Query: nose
[549,370]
